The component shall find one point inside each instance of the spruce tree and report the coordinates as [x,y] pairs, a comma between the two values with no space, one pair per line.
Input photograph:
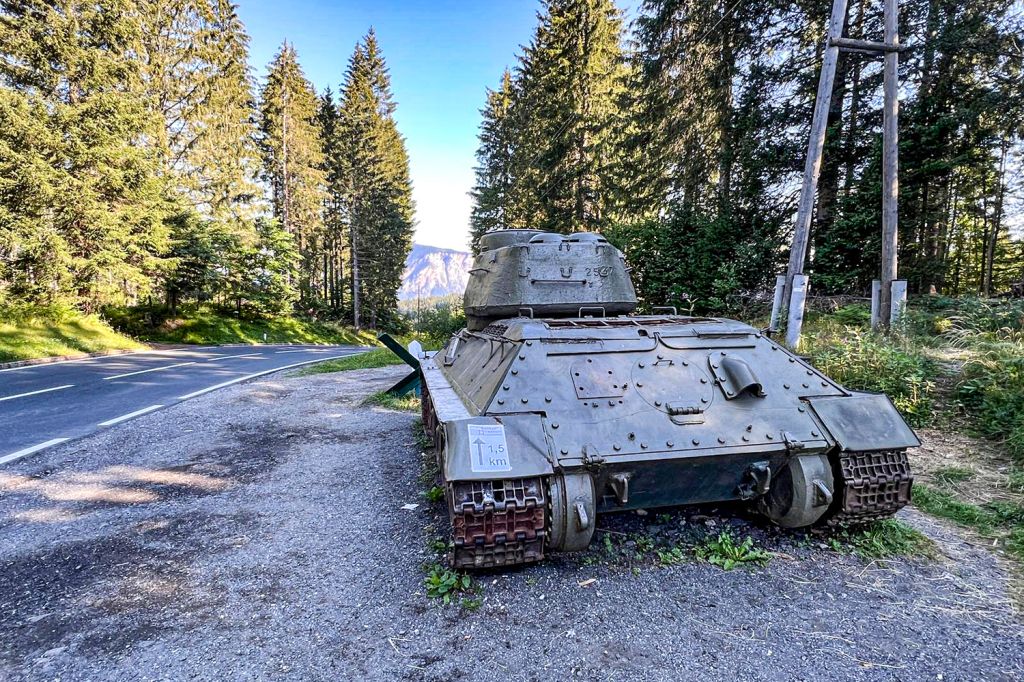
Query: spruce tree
[492,209]
[78,123]
[378,191]
[335,217]
[293,160]
[572,75]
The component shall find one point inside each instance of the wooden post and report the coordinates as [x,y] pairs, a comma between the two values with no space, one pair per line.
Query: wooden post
[815,146]
[890,162]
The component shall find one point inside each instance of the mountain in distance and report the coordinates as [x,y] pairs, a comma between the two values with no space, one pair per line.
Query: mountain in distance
[431,271]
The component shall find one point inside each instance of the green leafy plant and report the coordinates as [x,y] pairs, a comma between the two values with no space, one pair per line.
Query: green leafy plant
[434,494]
[725,551]
[672,556]
[471,604]
[644,544]
[445,584]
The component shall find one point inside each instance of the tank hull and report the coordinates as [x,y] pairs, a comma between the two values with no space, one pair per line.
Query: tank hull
[616,413]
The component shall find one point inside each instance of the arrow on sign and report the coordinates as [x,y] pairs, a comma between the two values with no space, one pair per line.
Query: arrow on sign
[479,450]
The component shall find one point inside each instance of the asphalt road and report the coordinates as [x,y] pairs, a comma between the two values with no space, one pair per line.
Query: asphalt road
[45,405]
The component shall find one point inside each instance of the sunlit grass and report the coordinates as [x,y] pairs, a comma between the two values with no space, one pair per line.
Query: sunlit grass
[38,337]
[378,357]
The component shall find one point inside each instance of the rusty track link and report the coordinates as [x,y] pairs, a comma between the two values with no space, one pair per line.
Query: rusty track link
[870,486]
[498,523]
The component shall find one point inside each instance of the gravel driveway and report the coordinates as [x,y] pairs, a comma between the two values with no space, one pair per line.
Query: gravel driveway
[258,533]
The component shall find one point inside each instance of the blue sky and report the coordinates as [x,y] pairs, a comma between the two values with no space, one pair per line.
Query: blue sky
[442,55]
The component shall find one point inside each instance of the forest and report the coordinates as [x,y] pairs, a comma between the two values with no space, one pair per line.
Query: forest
[681,135]
[143,165]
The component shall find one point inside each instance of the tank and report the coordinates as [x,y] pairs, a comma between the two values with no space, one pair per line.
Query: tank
[557,403]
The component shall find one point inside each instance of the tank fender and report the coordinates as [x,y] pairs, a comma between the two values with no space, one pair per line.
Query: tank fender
[490,448]
[863,422]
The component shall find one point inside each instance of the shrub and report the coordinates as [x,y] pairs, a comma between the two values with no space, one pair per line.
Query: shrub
[869,362]
[437,324]
[992,388]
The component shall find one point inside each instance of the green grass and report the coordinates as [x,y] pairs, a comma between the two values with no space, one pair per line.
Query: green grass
[214,326]
[952,475]
[26,334]
[884,539]
[378,357]
[866,361]
[999,520]
[992,389]
[404,403]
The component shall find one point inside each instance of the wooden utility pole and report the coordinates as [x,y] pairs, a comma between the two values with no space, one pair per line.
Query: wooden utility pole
[815,147]
[890,187]
[890,160]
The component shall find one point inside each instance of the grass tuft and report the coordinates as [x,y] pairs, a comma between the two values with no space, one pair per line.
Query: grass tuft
[884,539]
[372,359]
[403,403]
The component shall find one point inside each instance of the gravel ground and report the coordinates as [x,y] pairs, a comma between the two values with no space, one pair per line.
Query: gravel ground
[257,533]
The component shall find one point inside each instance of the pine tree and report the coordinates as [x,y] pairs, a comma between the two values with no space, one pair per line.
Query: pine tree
[293,160]
[335,217]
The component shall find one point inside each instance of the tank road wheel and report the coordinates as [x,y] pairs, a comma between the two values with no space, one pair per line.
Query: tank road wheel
[801,493]
[573,508]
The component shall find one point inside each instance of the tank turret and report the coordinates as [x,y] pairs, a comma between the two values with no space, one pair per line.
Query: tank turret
[529,273]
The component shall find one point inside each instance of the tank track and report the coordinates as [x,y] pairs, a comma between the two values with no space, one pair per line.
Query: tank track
[498,523]
[869,486]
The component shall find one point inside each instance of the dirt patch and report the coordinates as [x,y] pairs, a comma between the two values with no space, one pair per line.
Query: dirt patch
[976,470]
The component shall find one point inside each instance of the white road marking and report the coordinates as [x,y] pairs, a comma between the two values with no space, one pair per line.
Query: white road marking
[143,371]
[259,374]
[112,357]
[292,351]
[136,413]
[228,357]
[28,451]
[44,390]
